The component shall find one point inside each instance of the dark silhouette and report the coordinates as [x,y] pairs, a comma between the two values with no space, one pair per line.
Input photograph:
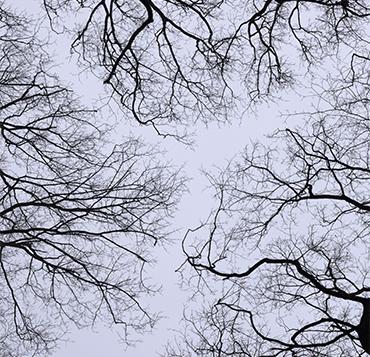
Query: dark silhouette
[79,216]
[363,329]
[284,253]
[137,50]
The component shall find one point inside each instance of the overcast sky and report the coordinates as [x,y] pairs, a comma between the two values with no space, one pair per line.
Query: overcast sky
[214,146]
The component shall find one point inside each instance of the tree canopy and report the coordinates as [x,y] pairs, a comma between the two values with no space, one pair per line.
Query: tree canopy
[171,63]
[79,215]
[281,264]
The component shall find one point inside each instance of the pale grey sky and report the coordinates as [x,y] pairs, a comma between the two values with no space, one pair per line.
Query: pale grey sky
[214,146]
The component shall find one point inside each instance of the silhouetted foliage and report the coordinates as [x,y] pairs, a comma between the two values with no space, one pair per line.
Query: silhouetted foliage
[78,216]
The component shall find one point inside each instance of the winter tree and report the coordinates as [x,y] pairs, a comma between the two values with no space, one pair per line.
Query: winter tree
[283,263]
[79,216]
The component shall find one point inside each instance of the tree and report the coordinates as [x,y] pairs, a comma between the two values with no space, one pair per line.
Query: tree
[283,264]
[176,62]
[170,63]
[78,215]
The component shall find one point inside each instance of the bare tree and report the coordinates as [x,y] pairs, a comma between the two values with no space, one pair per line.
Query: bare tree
[285,247]
[173,62]
[78,216]
[283,264]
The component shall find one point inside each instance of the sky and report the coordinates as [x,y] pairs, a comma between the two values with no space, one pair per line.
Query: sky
[215,145]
